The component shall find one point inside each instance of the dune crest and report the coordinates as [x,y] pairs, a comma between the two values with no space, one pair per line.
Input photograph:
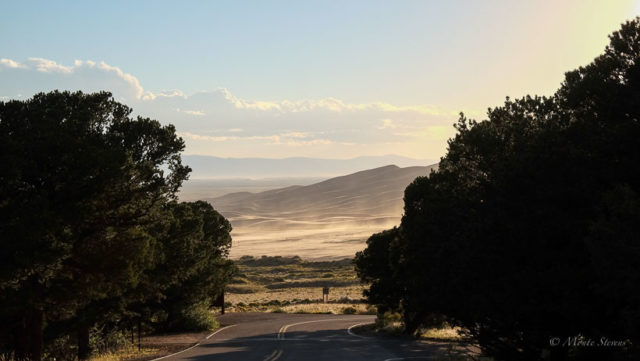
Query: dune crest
[330,219]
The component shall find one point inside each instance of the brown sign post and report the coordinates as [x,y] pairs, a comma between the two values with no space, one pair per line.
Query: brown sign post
[219,302]
[325,294]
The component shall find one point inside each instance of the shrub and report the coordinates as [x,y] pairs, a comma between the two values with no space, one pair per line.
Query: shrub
[349,310]
[196,318]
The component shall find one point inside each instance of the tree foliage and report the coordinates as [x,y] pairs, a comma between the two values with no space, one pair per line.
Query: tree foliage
[195,268]
[89,223]
[528,231]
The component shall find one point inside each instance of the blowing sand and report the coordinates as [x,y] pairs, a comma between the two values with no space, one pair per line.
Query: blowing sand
[324,241]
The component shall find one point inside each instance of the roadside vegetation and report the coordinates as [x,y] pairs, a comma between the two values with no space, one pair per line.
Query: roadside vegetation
[293,285]
[390,323]
[449,341]
[528,235]
[151,347]
[94,246]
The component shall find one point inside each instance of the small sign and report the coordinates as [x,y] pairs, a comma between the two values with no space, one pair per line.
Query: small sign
[219,302]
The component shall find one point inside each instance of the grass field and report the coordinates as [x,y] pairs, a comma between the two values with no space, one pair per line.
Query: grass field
[292,285]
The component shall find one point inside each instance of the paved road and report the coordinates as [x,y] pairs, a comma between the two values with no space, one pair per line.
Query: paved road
[292,337]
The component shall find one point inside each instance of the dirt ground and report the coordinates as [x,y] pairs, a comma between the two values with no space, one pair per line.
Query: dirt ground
[155,346]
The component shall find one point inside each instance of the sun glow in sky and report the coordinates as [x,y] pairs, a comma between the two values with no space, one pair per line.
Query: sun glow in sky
[330,79]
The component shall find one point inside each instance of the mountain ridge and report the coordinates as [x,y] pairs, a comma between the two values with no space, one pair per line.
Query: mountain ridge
[204,166]
[324,217]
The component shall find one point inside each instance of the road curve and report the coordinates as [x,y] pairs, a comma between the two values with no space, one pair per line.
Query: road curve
[296,337]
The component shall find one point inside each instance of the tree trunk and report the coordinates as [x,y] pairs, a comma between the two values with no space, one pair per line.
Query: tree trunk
[84,351]
[412,321]
[139,333]
[36,323]
[21,337]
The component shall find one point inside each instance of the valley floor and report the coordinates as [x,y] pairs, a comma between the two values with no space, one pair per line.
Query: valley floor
[291,285]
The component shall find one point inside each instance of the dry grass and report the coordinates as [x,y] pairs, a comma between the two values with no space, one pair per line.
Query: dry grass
[128,354]
[153,346]
[328,308]
[289,284]
[261,295]
[391,323]
[442,334]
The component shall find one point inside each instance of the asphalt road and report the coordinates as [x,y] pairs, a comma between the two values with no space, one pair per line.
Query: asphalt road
[294,337]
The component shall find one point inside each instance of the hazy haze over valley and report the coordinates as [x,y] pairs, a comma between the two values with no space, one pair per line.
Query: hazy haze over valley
[329,219]
[209,167]
[311,207]
[213,177]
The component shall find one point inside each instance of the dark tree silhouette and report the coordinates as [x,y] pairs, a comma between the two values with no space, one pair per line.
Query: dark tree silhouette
[87,206]
[529,228]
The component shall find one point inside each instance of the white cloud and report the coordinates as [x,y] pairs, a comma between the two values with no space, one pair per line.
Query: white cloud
[331,104]
[290,138]
[387,124]
[243,104]
[295,135]
[198,113]
[437,132]
[8,63]
[46,66]
[299,143]
[82,71]
[205,137]
[220,123]
[126,77]
[226,138]
[168,94]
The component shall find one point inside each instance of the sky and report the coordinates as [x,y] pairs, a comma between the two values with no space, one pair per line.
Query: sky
[324,79]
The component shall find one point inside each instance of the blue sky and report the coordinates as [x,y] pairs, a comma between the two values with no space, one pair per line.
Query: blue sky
[316,78]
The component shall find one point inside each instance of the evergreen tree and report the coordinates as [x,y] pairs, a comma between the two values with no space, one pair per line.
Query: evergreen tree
[80,184]
[528,230]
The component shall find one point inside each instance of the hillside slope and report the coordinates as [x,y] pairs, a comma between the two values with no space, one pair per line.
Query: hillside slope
[328,219]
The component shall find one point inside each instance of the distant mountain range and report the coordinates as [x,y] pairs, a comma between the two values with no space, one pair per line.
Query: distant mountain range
[214,167]
[328,219]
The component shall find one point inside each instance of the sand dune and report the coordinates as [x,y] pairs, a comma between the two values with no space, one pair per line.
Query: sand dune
[329,219]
